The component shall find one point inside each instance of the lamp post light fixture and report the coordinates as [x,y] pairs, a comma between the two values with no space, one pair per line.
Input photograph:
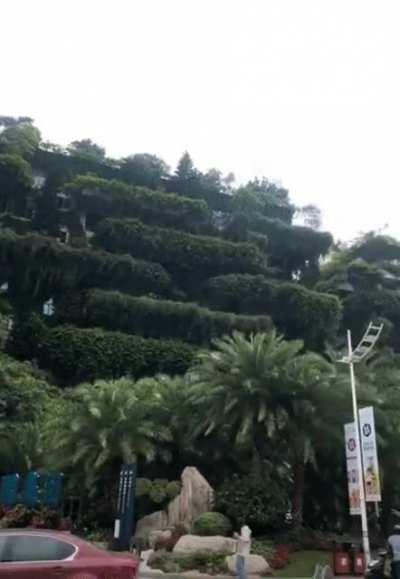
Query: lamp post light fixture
[364,348]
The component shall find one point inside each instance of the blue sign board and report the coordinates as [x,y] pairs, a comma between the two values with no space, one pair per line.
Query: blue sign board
[52,490]
[35,490]
[30,491]
[125,507]
[9,489]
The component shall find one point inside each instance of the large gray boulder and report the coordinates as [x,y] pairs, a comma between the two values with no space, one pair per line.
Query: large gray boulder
[193,543]
[157,521]
[254,565]
[196,497]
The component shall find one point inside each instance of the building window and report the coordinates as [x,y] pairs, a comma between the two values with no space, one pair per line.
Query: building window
[48,308]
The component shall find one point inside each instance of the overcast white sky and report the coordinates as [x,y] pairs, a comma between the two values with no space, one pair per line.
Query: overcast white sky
[306,92]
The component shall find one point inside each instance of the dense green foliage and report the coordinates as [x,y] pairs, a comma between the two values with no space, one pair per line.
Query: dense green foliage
[155,318]
[20,138]
[24,391]
[74,355]
[207,562]
[111,421]
[141,265]
[40,267]
[295,310]
[212,524]
[15,183]
[187,257]
[24,398]
[101,198]
[249,500]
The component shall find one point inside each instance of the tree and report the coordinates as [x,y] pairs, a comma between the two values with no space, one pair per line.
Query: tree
[15,183]
[108,424]
[6,122]
[24,392]
[20,447]
[267,391]
[144,170]
[24,397]
[185,169]
[87,148]
[20,138]
[273,200]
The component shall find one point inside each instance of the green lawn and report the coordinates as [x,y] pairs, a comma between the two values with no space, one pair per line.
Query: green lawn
[302,563]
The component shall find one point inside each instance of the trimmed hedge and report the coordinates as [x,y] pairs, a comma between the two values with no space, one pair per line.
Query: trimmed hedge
[293,245]
[155,318]
[296,311]
[42,267]
[101,198]
[189,258]
[212,524]
[20,225]
[289,247]
[76,355]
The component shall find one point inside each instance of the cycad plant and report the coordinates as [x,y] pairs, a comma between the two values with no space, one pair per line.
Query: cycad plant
[109,423]
[270,394]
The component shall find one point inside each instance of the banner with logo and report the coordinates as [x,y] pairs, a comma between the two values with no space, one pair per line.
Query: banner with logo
[370,455]
[352,470]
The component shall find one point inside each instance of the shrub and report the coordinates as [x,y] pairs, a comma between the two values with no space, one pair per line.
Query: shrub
[263,547]
[24,392]
[15,517]
[20,225]
[173,489]
[40,267]
[187,257]
[158,491]
[102,198]
[155,318]
[143,487]
[291,246]
[208,562]
[295,310]
[76,355]
[254,501]
[210,524]
[22,516]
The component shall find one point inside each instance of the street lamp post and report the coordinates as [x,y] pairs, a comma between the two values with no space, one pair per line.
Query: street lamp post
[365,346]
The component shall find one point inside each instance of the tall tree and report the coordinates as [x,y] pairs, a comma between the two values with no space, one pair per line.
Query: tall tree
[20,138]
[87,148]
[144,170]
[265,390]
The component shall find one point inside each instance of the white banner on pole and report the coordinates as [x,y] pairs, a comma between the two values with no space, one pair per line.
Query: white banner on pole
[352,470]
[370,455]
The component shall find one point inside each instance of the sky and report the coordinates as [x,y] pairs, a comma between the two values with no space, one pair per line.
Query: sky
[304,92]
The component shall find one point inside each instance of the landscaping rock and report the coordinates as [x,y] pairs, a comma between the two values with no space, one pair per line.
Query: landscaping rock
[255,565]
[157,537]
[144,563]
[193,543]
[157,521]
[196,497]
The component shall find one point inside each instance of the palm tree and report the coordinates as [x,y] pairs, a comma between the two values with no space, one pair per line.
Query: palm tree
[268,392]
[108,423]
[20,447]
